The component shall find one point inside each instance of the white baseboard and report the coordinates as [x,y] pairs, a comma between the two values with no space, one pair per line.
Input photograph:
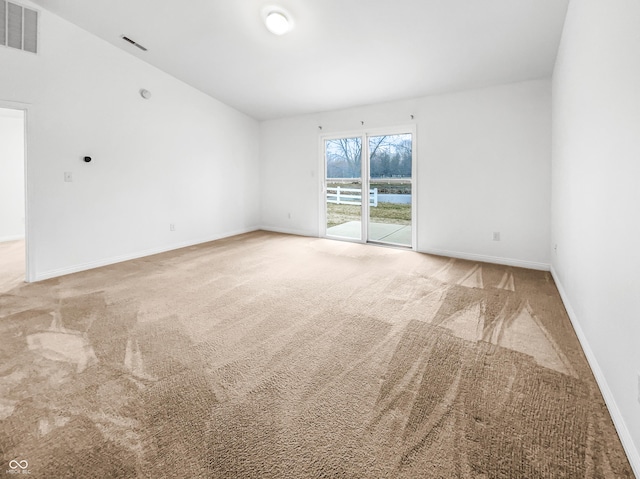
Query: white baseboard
[288,231]
[5,239]
[618,420]
[452,254]
[489,259]
[141,254]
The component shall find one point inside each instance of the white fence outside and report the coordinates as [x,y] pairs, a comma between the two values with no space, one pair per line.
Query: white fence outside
[350,196]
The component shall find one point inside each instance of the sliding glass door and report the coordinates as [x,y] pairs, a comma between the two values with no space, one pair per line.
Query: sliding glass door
[343,186]
[372,200]
[390,168]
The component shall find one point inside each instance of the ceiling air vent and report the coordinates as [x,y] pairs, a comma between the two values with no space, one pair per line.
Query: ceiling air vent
[18,27]
[128,40]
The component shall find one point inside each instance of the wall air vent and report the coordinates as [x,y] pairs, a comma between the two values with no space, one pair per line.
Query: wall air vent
[128,40]
[18,27]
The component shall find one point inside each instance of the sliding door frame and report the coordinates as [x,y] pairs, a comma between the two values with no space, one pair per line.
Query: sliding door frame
[364,135]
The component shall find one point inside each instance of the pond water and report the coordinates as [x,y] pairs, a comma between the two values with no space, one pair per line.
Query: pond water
[398,199]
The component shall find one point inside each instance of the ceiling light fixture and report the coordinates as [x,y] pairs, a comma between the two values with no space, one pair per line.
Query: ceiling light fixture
[277,20]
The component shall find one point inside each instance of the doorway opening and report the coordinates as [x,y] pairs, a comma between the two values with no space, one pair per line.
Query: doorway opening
[368,190]
[12,198]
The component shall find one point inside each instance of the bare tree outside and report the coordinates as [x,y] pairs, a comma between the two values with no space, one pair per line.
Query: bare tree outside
[344,158]
[390,156]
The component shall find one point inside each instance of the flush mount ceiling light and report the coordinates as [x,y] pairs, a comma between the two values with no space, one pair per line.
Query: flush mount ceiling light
[277,20]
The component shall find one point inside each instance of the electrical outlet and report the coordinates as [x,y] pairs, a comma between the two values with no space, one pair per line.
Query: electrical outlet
[289,215]
[172,227]
[68,177]
[496,236]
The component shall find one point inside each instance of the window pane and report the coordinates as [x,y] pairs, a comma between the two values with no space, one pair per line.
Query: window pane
[390,216]
[390,156]
[343,159]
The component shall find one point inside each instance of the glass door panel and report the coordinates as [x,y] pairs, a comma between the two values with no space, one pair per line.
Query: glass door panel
[390,215]
[343,187]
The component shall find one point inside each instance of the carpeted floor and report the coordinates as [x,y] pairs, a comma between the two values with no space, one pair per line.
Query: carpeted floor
[275,356]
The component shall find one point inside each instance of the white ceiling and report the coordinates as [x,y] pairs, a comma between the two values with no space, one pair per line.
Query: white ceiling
[341,53]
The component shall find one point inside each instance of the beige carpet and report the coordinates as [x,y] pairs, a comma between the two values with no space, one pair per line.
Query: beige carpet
[274,356]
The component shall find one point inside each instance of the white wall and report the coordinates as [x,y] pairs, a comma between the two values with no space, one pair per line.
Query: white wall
[11,174]
[483,166]
[180,157]
[596,196]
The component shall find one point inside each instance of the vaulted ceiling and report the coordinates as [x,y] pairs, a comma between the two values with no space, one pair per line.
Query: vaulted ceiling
[341,53]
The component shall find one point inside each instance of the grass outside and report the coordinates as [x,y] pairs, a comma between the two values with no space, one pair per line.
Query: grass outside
[384,188]
[388,213]
[392,188]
